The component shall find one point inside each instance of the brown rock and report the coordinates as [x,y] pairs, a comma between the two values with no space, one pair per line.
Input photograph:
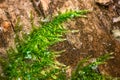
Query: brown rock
[104,2]
[6,25]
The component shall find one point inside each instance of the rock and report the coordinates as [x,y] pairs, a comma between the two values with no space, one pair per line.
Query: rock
[116,34]
[117,19]
[5,25]
[104,2]
[41,6]
[118,2]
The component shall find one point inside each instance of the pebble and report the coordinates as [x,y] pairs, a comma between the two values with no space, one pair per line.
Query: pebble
[117,19]
[104,2]
[116,34]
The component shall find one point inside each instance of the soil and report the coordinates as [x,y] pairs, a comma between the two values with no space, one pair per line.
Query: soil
[94,36]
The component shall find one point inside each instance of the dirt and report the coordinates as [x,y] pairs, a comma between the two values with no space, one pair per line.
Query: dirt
[94,36]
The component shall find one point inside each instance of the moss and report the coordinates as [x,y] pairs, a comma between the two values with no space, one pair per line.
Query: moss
[90,71]
[31,60]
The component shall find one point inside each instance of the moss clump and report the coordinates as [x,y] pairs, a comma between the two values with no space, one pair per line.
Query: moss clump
[31,60]
[90,71]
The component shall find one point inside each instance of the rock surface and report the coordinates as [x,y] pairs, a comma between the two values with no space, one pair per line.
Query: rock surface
[104,2]
[94,32]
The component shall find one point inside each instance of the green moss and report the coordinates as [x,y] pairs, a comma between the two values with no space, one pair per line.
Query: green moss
[89,71]
[31,60]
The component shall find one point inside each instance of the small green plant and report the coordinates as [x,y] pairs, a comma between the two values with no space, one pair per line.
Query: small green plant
[89,71]
[31,59]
